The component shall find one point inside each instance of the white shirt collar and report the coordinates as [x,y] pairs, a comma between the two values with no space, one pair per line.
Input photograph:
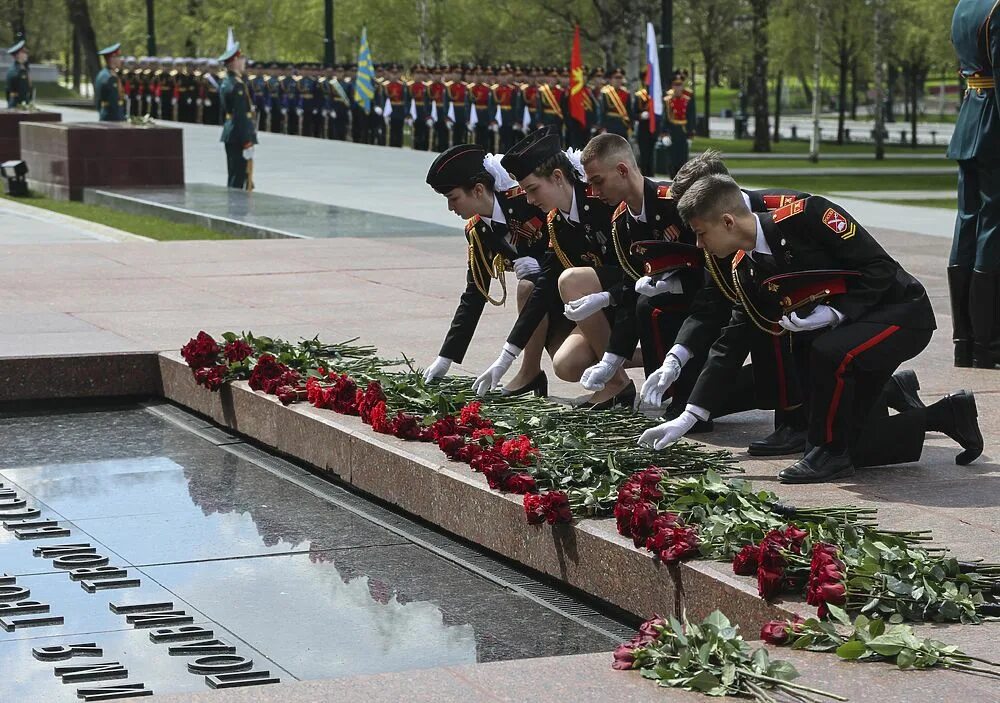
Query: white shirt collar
[497,213]
[641,217]
[761,246]
[574,214]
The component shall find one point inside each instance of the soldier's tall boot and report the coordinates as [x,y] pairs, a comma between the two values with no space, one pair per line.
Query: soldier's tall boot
[982,313]
[959,280]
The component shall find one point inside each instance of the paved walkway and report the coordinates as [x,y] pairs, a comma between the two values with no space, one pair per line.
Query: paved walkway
[23,224]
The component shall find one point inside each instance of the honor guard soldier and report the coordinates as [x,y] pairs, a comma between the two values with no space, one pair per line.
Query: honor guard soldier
[481,110]
[145,77]
[420,109]
[507,99]
[108,86]
[529,101]
[616,106]
[973,278]
[810,269]
[376,117]
[458,106]
[161,99]
[647,129]
[258,87]
[312,102]
[551,103]
[396,109]
[19,90]
[502,228]
[238,133]
[212,110]
[437,95]
[678,121]
[340,104]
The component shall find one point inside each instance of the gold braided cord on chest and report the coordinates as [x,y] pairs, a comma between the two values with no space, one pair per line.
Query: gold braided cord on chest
[477,258]
[753,313]
[622,258]
[554,241]
[713,271]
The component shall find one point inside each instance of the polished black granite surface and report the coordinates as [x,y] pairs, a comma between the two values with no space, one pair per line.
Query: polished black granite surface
[298,583]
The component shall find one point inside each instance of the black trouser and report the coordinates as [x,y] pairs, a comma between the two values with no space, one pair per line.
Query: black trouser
[976,243]
[680,149]
[421,134]
[236,164]
[460,132]
[848,369]
[396,131]
[442,135]
[647,144]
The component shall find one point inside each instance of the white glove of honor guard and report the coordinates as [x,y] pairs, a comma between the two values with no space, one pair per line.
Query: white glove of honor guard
[490,378]
[822,316]
[437,370]
[248,153]
[650,286]
[582,308]
[598,375]
[526,266]
[666,434]
[659,381]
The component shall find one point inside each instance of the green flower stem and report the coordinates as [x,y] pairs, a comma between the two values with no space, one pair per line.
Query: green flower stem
[790,684]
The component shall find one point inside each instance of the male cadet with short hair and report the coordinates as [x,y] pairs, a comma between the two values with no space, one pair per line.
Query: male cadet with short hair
[238,133]
[19,90]
[809,267]
[648,308]
[974,265]
[108,86]
[503,231]
[616,106]
[678,121]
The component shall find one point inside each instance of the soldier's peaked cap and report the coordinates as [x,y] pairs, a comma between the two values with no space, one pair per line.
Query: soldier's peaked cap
[456,168]
[531,152]
[16,48]
[110,50]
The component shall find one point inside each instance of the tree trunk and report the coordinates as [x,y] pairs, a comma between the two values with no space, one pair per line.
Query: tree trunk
[806,88]
[777,106]
[77,68]
[890,93]
[759,37]
[854,88]
[914,84]
[709,73]
[79,18]
[17,21]
[191,42]
[842,95]
[422,31]
[879,83]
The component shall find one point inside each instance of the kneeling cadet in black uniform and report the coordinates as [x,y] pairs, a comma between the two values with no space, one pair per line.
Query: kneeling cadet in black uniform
[881,318]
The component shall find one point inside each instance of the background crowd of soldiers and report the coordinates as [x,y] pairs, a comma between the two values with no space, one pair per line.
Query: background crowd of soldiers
[438,106]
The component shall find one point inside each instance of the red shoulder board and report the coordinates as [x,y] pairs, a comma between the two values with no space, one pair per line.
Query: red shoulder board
[794,208]
[663,192]
[590,192]
[839,224]
[773,202]
[471,224]
[738,257]
[619,211]
[514,192]
[552,215]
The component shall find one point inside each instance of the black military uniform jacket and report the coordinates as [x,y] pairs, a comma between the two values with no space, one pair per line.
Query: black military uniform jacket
[571,244]
[491,251]
[662,222]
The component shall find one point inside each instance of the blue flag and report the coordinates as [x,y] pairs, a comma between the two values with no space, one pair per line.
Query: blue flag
[364,81]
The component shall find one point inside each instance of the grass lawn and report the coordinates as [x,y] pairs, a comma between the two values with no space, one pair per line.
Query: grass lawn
[834,162]
[152,227]
[47,91]
[785,146]
[946,203]
[830,184]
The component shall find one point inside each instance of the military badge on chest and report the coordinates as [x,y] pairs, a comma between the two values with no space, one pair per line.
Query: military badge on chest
[530,231]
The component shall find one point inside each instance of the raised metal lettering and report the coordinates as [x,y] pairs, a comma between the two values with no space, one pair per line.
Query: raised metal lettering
[108,693]
[58,652]
[101,671]
[220,664]
[23,607]
[98,572]
[107,584]
[122,608]
[170,617]
[12,593]
[73,561]
[201,647]
[184,632]
[42,533]
[12,624]
[242,678]
[50,551]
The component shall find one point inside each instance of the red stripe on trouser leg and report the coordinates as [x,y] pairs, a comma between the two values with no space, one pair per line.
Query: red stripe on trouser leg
[839,387]
[780,364]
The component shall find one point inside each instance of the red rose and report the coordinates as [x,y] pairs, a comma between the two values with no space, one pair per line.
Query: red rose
[201,351]
[557,508]
[769,583]
[451,444]
[643,515]
[624,657]
[519,483]
[534,508]
[770,569]
[486,459]
[467,453]
[236,351]
[683,545]
[745,563]
[774,632]
[496,475]
[406,426]
[212,377]
[651,628]
[795,538]
[287,394]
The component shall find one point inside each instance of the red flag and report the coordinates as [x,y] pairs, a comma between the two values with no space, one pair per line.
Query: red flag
[576,94]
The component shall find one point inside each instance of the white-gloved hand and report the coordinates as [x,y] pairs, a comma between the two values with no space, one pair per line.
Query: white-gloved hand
[666,434]
[658,382]
[582,308]
[490,378]
[644,115]
[822,316]
[650,286]
[248,153]
[378,111]
[437,370]
[598,375]
[526,266]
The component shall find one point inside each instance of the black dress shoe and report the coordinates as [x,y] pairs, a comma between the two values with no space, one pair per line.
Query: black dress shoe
[784,440]
[818,466]
[539,386]
[963,426]
[901,391]
[674,411]
[625,397]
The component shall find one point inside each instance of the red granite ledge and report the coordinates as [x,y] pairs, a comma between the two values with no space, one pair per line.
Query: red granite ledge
[79,376]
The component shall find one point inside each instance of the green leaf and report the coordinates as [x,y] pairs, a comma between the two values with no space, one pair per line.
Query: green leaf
[905,658]
[703,681]
[717,619]
[784,670]
[852,649]
[839,615]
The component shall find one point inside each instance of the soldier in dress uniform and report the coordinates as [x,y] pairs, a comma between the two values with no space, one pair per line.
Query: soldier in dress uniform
[973,278]
[108,90]
[19,90]
[312,102]
[481,109]
[616,106]
[340,104]
[552,102]
[257,80]
[420,108]
[647,131]
[811,269]
[529,101]
[678,121]
[437,96]
[144,75]
[376,117]
[507,99]
[502,228]
[211,109]
[396,109]
[239,132]
[458,106]
[158,80]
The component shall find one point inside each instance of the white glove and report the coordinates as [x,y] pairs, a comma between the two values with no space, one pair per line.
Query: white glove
[526,266]
[429,122]
[822,316]
[669,432]
[378,111]
[437,370]
[659,381]
[650,286]
[490,378]
[248,153]
[582,308]
[598,375]
[644,115]
[208,103]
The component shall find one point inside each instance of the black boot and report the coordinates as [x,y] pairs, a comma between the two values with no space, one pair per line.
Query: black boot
[901,391]
[783,441]
[821,464]
[982,311]
[959,280]
[956,415]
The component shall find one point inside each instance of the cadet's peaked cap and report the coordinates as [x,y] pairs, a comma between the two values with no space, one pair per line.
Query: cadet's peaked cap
[528,154]
[456,168]
[110,50]
[16,48]
[230,53]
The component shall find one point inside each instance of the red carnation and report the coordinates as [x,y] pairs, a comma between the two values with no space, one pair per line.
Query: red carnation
[467,453]
[287,394]
[406,426]
[519,483]
[450,444]
[236,351]
[483,432]
[367,400]
[379,419]
[518,451]
[443,427]
[487,459]
[745,563]
[534,508]
[470,417]
[212,377]
[344,395]
[496,475]
[201,351]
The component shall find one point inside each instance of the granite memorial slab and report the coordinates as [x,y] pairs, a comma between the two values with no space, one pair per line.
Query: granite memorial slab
[65,157]
[10,128]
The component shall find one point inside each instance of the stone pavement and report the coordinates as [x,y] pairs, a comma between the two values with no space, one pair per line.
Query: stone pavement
[23,224]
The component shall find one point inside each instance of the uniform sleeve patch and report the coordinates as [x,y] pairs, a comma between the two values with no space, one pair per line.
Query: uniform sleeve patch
[839,224]
[794,208]
[663,192]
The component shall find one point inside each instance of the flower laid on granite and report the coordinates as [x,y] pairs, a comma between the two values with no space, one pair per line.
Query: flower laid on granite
[552,507]
[236,351]
[201,351]
[710,657]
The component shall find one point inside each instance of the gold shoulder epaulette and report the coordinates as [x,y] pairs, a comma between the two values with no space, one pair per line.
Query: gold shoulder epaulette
[783,213]
[514,192]
[471,223]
